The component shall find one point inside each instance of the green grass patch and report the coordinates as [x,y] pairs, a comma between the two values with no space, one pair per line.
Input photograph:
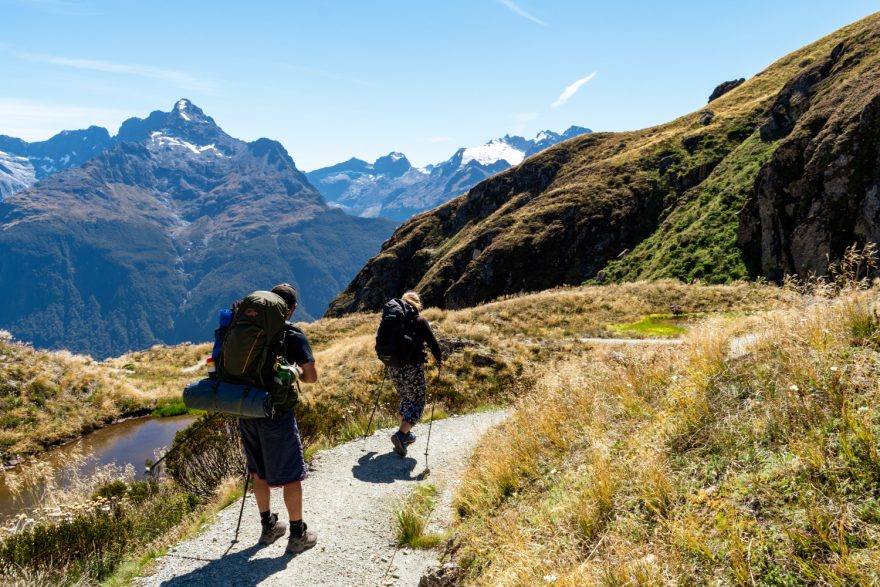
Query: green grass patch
[653,325]
[171,408]
[439,413]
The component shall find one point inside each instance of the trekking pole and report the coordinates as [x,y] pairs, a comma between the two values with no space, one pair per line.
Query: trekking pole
[376,403]
[247,480]
[192,432]
[427,470]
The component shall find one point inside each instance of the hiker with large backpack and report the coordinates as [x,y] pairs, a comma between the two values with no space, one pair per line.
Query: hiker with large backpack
[262,348]
[400,345]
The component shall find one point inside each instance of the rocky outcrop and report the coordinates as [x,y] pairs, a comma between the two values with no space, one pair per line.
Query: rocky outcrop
[820,192]
[725,87]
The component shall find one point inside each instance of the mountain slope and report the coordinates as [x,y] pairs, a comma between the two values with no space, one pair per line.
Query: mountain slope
[145,242]
[770,178]
[22,163]
[392,188]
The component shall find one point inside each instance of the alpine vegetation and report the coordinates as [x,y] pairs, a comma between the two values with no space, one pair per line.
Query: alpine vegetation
[750,452]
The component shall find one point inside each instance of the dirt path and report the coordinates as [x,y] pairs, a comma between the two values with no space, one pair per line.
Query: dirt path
[349,499]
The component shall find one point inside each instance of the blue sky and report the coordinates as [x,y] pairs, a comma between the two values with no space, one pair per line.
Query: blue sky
[332,79]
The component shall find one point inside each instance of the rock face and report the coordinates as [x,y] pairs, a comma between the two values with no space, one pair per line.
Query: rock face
[820,192]
[725,87]
[781,178]
[145,242]
[392,188]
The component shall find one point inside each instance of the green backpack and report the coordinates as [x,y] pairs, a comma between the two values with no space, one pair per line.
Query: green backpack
[254,345]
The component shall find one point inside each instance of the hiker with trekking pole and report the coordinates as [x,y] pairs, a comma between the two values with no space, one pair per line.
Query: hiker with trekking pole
[258,360]
[400,345]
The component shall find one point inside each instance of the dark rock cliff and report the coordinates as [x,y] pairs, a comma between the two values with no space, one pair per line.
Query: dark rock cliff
[819,192]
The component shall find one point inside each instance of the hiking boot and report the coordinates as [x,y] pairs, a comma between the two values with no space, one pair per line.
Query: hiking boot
[398,440]
[272,530]
[297,544]
[409,438]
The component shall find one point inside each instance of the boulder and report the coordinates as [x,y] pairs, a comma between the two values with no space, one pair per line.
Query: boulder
[725,87]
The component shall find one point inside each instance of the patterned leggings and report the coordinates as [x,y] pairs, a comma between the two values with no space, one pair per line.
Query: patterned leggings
[409,381]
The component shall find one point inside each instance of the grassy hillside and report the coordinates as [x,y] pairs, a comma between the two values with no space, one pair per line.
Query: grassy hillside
[496,353]
[749,456]
[492,349]
[50,397]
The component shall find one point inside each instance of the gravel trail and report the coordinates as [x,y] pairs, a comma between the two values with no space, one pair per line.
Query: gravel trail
[349,500]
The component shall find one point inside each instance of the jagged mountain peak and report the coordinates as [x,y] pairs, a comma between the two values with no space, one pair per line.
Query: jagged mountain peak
[392,165]
[185,121]
[189,112]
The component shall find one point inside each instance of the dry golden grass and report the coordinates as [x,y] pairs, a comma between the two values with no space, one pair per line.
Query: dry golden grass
[50,397]
[751,454]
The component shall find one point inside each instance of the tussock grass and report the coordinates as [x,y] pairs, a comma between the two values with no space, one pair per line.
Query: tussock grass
[412,515]
[750,455]
[50,397]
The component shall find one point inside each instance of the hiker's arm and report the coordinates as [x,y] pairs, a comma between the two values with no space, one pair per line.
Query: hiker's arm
[432,341]
[308,372]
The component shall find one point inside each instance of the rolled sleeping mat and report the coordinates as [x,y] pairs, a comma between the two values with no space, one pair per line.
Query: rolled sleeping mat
[236,399]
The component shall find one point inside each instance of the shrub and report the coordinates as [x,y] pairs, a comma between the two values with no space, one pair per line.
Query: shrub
[90,545]
[210,455]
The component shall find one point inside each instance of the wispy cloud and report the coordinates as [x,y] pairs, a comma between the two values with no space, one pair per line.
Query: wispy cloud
[571,90]
[437,139]
[171,76]
[512,6]
[34,121]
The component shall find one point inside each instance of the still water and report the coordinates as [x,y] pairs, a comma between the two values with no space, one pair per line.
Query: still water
[132,441]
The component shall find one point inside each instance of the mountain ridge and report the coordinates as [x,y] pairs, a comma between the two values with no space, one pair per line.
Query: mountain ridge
[400,190]
[735,190]
[143,243]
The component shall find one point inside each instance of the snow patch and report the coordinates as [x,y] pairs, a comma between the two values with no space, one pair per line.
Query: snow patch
[160,139]
[181,109]
[16,174]
[492,152]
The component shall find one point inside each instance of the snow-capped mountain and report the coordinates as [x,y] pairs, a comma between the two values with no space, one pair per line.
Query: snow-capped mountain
[22,163]
[144,242]
[392,188]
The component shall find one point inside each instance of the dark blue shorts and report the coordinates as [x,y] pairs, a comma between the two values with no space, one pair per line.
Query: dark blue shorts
[274,449]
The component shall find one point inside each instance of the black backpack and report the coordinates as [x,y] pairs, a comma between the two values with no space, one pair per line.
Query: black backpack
[396,336]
